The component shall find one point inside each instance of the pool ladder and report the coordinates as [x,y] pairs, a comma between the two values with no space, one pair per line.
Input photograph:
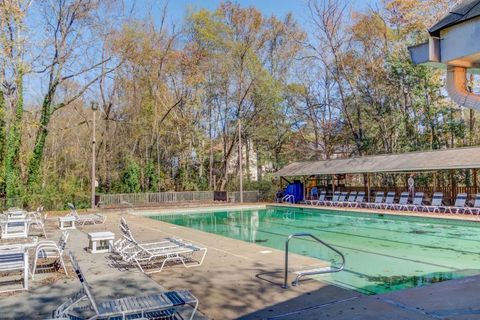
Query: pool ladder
[290,198]
[310,272]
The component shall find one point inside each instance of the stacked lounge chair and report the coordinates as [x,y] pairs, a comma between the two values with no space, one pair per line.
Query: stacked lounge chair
[91,218]
[152,257]
[163,305]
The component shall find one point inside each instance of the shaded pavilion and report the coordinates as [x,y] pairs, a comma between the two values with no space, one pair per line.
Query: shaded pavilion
[329,174]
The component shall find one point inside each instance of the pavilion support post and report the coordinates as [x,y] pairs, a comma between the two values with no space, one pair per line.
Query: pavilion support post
[474,182]
[333,184]
[304,188]
[452,184]
[368,187]
[364,182]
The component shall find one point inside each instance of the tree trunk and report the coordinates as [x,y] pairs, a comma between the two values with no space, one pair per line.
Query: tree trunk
[12,174]
[107,164]
[471,127]
[2,140]
[247,159]
[42,133]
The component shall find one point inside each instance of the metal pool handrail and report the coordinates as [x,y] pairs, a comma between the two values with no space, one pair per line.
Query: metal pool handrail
[289,198]
[313,272]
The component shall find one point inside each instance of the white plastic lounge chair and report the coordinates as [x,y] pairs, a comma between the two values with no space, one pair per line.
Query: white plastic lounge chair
[378,200]
[91,218]
[476,206]
[15,213]
[13,259]
[162,305]
[402,202]
[152,257]
[14,228]
[436,204]
[417,202]
[334,199]
[459,206]
[48,249]
[127,245]
[389,199]
[313,196]
[358,200]
[341,199]
[351,199]
[320,200]
[37,220]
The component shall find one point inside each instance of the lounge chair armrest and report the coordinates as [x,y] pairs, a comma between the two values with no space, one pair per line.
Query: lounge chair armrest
[46,242]
[46,246]
[150,243]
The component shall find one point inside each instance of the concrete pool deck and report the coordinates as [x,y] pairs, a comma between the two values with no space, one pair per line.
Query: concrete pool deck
[238,280]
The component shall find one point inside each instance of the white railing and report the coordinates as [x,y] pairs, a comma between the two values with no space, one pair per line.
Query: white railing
[162,197]
[289,198]
[154,197]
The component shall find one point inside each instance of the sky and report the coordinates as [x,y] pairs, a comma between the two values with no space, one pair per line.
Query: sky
[177,9]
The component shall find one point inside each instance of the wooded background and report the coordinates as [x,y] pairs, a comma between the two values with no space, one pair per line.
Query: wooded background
[170,94]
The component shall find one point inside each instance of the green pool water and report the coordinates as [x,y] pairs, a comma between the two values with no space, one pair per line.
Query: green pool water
[383,252]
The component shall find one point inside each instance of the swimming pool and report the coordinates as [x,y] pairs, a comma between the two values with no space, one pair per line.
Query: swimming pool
[383,252]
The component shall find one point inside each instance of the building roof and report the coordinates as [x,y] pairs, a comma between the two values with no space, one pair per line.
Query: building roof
[464,11]
[462,158]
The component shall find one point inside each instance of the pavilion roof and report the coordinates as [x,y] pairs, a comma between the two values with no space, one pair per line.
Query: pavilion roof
[445,159]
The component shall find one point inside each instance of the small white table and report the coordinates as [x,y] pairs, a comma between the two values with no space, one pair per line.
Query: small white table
[100,242]
[67,222]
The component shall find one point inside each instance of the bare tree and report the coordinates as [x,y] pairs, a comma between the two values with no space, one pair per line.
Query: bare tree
[72,63]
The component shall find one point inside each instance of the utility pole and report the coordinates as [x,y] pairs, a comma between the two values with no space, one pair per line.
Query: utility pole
[94,106]
[240,159]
